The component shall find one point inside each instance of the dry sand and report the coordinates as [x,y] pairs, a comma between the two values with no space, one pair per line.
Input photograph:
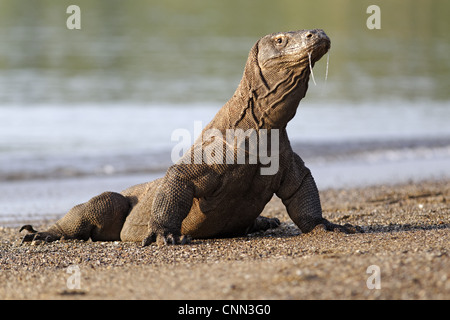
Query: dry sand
[407,236]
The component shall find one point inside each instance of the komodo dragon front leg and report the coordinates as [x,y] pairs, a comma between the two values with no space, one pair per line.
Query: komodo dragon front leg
[300,195]
[170,205]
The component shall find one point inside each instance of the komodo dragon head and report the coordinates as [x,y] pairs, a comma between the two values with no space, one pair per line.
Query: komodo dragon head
[277,72]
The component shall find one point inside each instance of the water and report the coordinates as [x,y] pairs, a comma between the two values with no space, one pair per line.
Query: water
[83,111]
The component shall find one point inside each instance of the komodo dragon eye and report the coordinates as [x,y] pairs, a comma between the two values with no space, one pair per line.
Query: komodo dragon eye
[279,40]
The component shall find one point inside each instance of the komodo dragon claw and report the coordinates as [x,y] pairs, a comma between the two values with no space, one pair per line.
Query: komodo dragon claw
[346,228]
[29,228]
[166,239]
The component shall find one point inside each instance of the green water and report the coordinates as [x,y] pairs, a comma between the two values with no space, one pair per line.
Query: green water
[142,51]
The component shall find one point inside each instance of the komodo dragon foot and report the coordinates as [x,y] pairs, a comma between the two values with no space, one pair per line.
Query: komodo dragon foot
[346,228]
[166,239]
[262,224]
[35,235]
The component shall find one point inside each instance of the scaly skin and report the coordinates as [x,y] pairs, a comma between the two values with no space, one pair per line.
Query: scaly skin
[202,196]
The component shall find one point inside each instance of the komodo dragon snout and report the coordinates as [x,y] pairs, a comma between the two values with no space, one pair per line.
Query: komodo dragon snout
[204,199]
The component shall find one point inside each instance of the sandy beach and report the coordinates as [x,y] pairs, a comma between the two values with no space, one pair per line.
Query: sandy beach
[403,254]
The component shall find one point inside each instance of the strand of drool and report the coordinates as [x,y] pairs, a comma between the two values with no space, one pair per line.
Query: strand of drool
[310,68]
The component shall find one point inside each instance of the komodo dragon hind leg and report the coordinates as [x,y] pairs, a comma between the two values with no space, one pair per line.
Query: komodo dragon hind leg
[100,219]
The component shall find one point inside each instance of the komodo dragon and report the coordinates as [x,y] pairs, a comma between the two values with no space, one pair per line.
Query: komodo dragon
[205,199]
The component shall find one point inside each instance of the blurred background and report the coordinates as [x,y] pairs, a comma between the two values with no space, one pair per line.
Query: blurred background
[83,111]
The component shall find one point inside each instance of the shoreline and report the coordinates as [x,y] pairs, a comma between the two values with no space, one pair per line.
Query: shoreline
[333,165]
[407,236]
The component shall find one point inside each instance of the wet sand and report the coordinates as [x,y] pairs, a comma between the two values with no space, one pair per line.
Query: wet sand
[407,237]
